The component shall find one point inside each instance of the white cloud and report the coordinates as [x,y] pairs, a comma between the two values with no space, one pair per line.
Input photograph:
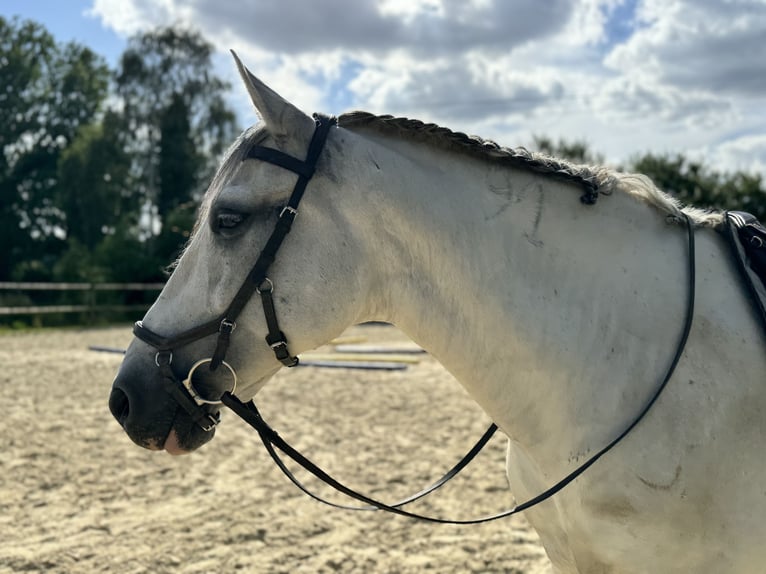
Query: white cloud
[624,98]
[128,18]
[746,153]
[709,45]
[468,88]
[627,75]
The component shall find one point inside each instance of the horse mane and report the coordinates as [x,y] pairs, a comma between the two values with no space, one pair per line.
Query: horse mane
[598,179]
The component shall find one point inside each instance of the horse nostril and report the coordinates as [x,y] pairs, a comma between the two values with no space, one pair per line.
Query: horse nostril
[119,405]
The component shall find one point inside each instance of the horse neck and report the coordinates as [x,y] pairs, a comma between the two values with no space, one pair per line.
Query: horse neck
[524,294]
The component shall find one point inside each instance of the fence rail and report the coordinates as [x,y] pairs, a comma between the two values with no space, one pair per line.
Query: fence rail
[38,286]
[86,287]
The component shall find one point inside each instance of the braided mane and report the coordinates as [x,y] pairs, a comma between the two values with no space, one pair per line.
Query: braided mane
[593,179]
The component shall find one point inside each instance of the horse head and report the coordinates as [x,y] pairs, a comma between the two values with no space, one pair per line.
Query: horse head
[189,343]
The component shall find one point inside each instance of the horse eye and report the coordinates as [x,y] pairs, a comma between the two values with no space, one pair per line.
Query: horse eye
[228,220]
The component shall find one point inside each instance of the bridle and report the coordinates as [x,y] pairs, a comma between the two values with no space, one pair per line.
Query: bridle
[196,403]
[184,392]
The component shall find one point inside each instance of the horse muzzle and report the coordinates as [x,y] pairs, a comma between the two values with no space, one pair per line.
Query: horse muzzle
[150,416]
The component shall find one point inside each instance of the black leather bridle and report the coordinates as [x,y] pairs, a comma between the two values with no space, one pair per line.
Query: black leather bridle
[191,400]
[257,280]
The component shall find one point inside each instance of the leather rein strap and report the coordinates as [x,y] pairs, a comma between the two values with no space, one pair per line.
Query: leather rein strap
[273,442]
[224,325]
[258,281]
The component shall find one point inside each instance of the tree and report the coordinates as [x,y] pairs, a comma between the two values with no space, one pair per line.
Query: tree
[177,169]
[577,151]
[176,112]
[22,47]
[693,183]
[690,181]
[92,176]
[48,92]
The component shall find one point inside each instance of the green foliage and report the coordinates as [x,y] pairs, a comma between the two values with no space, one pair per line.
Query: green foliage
[178,158]
[577,151]
[76,264]
[689,181]
[48,92]
[178,125]
[78,179]
[176,230]
[175,110]
[91,190]
[695,184]
[40,270]
[126,259]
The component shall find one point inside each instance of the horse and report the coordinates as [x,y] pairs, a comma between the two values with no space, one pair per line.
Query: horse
[558,316]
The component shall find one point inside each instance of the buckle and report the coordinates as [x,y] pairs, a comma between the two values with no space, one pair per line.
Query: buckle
[282,353]
[214,419]
[227,326]
[281,343]
[288,209]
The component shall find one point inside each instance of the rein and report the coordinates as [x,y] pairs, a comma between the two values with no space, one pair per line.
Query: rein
[197,404]
[272,441]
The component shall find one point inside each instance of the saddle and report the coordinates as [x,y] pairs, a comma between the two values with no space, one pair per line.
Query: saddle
[747,237]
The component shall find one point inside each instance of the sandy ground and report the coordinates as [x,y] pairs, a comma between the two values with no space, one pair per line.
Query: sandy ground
[76,496]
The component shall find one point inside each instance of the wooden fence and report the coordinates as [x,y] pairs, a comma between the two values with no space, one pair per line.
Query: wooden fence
[90,290]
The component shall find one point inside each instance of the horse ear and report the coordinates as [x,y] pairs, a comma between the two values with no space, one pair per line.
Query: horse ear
[282,119]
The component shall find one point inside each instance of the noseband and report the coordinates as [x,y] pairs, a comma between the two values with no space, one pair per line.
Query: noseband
[257,280]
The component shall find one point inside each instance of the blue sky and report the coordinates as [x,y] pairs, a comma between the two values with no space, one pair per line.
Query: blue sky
[66,20]
[627,76]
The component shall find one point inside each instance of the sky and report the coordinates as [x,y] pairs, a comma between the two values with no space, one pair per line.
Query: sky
[626,76]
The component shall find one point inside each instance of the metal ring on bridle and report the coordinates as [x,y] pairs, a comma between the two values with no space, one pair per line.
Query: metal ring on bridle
[187,382]
[266,281]
[157,357]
